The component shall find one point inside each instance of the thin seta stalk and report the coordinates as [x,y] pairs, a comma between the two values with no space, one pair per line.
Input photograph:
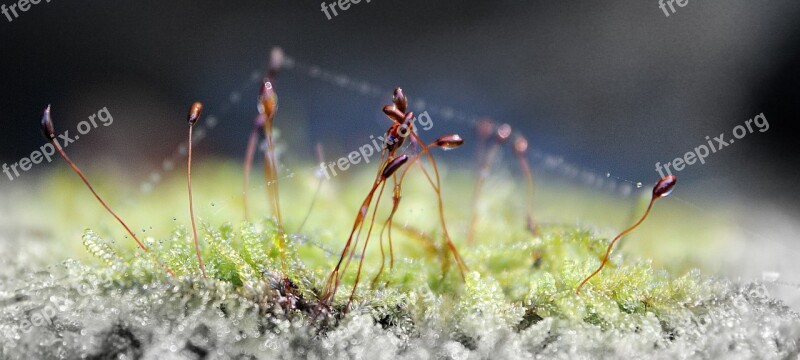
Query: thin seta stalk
[334,280]
[268,105]
[49,134]
[252,142]
[662,188]
[402,127]
[521,152]
[501,135]
[401,130]
[275,64]
[193,117]
[446,142]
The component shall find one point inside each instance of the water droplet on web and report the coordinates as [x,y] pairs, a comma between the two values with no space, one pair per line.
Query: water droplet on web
[608,175]
[211,121]
[235,97]
[167,165]
[638,185]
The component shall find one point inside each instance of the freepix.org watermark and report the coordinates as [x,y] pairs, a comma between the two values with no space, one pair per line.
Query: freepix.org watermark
[343,5]
[46,315]
[41,317]
[46,151]
[22,5]
[701,152]
[374,147]
[663,4]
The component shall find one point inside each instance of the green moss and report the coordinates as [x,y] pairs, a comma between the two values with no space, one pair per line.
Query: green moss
[513,276]
[519,289]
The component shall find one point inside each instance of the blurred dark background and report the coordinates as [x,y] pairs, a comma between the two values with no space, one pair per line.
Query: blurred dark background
[611,86]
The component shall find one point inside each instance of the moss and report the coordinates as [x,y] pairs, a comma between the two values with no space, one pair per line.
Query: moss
[518,297]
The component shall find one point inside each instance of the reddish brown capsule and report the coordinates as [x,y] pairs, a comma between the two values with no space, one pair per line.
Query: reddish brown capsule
[449,142]
[393,165]
[520,145]
[394,139]
[399,100]
[268,101]
[47,125]
[503,133]
[664,186]
[393,113]
[194,113]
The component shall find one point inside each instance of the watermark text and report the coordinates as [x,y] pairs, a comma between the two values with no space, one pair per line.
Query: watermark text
[700,153]
[46,151]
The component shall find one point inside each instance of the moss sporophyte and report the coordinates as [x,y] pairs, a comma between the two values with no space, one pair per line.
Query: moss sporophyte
[403,149]
[465,265]
[508,268]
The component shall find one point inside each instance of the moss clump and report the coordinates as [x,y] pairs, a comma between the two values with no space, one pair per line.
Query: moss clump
[518,300]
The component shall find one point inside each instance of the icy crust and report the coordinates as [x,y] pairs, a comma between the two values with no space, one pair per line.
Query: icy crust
[518,301]
[73,314]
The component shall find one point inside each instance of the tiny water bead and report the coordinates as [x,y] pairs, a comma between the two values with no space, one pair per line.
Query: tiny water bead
[503,133]
[211,121]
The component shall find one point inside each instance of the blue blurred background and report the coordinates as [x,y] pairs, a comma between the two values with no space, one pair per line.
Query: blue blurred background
[611,86]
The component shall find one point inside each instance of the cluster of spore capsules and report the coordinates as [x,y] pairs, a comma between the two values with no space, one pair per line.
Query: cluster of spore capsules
[403,149]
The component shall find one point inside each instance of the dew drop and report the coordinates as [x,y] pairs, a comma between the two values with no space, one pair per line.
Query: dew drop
[168,165]
[211,122]
[608,175]
[638,185]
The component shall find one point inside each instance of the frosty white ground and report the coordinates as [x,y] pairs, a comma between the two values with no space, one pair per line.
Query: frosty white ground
[182,321]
